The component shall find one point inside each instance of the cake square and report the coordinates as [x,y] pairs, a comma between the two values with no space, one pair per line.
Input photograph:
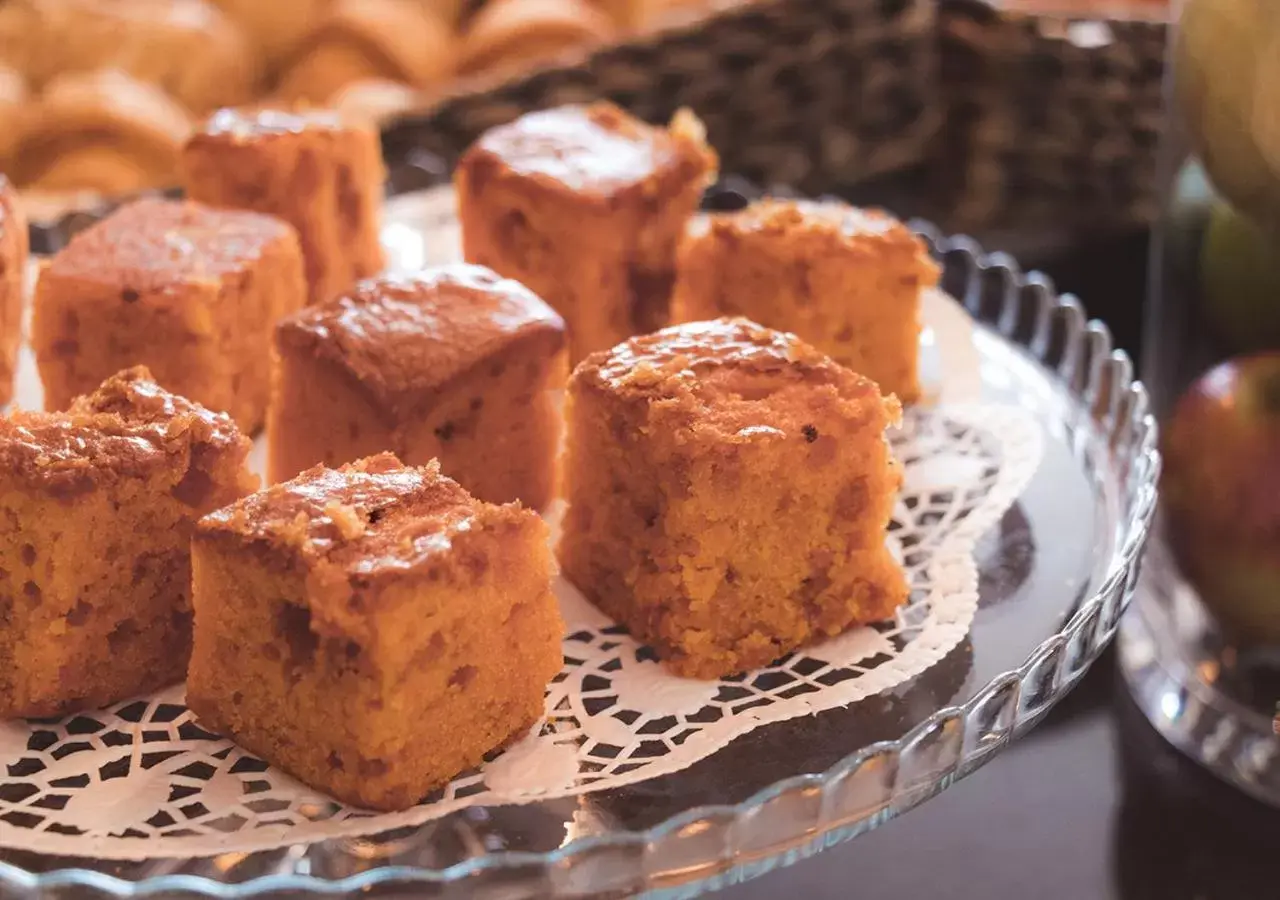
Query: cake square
[452,363]
[585,205]
[188,291]
[13,280]
[95,564]
[847,280]
[373,630]
[318,172]
[729,489]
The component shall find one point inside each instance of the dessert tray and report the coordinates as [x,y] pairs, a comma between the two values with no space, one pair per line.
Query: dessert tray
[1030,474]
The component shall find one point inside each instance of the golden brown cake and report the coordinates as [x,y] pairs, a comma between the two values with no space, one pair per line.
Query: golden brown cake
[451,363]
[373,630]
[95,564]
[13,280]
[189,291]
[585,204]
[846,280]
[320,174]
[729,491]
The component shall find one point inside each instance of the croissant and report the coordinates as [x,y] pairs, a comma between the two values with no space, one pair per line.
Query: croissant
[187,47]
[102,131]
[510,34]
[361,40]
[277,27]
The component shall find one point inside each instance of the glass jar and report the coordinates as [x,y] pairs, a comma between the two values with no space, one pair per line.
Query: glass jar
[1201,651]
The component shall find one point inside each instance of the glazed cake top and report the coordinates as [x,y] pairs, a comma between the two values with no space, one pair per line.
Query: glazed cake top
[598,150]
[729,375]
[371,518]
[404,336]
[869,229]
[253,126]
[153,245]
[129,428]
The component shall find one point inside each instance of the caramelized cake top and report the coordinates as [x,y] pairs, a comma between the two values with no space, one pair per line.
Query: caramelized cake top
[130,427]
[152,245]
[404,336]
[730,375]
[372,517]
[251,126]
[598,150]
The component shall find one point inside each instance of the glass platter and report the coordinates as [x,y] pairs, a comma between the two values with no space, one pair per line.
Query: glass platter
[1053,577]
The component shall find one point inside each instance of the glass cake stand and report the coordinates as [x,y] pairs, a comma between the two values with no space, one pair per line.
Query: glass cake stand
[1054,576]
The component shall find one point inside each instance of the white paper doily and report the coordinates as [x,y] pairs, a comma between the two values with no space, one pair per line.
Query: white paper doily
[141,779]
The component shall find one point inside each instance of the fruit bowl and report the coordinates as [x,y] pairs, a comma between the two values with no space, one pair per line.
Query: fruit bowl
[1053,573]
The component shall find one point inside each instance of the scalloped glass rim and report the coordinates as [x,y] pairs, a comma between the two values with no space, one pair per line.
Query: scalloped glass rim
[1080,355]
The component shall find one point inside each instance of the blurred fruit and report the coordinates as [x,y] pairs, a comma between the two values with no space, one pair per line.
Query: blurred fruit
[1221,494]
[1227,78]
[1240,281]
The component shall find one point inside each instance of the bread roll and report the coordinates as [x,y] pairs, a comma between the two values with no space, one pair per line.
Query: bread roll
[101,131]
[511,34]
[186,47]
[276,27]
[362,40]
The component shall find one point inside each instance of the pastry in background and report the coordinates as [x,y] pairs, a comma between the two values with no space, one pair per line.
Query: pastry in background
[187,48]
[13,105]
[191,292]
[391,40]
[276,27]
[847,280]
[99,506]
[13,278]
[375,100]
[102,131]
[452,363]
[647,14]
[585,205]
[315,171]
[511,34]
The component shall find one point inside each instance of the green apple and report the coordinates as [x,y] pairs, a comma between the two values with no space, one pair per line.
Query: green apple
[1221,494]
[1240,281]
[1227,84]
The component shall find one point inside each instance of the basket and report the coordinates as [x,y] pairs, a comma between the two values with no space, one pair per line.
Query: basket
[803,92]
[1053,119]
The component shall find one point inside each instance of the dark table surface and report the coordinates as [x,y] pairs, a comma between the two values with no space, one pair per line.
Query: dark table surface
[1092,805]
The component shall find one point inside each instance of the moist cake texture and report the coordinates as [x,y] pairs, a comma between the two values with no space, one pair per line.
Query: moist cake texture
[453,363]
[729,490]
[847,280]
[318,172]
[188,291]
[585,205]
[373,630]
[95,566]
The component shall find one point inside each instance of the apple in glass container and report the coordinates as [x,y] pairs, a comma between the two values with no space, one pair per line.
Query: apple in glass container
[1221,494]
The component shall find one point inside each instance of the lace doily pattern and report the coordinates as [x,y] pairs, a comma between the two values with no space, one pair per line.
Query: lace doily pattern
[142,779]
